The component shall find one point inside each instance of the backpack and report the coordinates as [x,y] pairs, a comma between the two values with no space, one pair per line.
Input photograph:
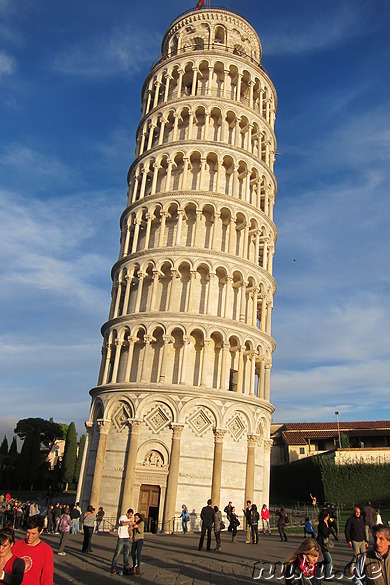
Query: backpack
[64,525]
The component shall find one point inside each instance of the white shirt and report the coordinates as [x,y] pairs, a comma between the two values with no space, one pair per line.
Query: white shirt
[123,531]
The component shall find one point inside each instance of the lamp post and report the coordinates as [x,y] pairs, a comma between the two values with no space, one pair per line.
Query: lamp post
[338,427]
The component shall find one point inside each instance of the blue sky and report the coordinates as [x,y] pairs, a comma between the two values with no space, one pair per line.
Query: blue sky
[70,80]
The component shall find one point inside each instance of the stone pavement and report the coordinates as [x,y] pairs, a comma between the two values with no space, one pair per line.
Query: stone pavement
[175,560]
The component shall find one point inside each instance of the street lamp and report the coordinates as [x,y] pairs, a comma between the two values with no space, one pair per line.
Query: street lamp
[338,427]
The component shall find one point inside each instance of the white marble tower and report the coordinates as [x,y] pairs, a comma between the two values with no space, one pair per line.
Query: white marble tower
[182,411]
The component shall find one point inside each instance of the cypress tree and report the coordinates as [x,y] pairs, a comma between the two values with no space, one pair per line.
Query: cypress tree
[70,455]
[13,450]
[79,460]
[4,447]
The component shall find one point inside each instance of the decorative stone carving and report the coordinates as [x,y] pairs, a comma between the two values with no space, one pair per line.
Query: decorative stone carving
[157,419]
[237,427]
[120,416]
[200,422]
[153,459]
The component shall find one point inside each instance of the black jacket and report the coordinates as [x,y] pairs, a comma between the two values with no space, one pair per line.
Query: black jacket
[354,529]
[208,516]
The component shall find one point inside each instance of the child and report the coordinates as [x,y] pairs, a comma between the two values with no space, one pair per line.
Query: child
[378,517]
[308,528]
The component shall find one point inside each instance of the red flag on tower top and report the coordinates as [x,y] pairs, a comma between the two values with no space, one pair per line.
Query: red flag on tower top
[200,4]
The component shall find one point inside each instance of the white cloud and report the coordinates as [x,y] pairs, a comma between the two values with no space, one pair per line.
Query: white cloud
[318,27]
[8,64]
[121,52]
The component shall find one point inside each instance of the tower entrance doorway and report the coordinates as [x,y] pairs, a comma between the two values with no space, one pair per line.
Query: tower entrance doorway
[148,506]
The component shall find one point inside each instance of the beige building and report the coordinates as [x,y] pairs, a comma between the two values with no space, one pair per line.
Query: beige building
[182,411]
[361,442]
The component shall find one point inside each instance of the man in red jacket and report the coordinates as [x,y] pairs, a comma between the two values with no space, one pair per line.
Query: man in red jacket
[37,555]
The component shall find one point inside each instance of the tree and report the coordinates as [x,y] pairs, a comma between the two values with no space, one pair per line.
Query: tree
[13,450]
[344,439]
[70,455]
[4,447]
[47,430]
[79,460]
[31,468]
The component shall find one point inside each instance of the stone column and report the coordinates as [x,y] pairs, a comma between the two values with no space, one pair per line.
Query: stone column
[103,426]
[118,350]
[267,381]
[250,467]
[266,470]
[131,462]
[173,478]
[217,466]
[225,349]
[260,388]
[88,431]
[163,364]
[132,341]
[205,362]
[186,343]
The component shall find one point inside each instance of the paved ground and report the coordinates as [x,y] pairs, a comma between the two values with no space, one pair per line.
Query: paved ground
[175,560]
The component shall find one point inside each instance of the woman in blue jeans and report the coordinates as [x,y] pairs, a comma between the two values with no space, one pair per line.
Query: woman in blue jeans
[323,541]
[184,518]
[138,541]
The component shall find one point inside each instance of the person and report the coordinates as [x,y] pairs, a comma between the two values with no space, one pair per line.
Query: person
[50,521]
[368,513]
[378,517]
[301,567]
[184,518]
[37,555]
[11,567]
[207,516]
[217,527]
[323,541]
[255,517]
[99,518]
[313,501]
[332,521]
[228,510]
[75,516]
[308,528]
[123,542]
[265,519]
[64,528]
[373,567]
[247,514]
[355,534]
[56,517]
[88,526]
[234,523]
[282,516]
[138,541]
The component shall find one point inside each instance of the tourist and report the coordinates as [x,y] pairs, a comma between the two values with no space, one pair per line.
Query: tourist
[228,510]
[99,518]
[247,514]
[255,517]
[218,523]
[234,523]
[123,542]
[37,555]
[368,513]
[138,541]
[282,521]
[11,567]
[265,519]
[378,517]
[88,526]
[64,527]
[355,534]
[374,565]
[308,528]
[207,516]
[75,516]
[184,518]
[301,568]
[323,541]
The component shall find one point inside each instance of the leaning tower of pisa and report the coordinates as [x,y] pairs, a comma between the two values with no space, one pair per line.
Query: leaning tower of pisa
[182,411]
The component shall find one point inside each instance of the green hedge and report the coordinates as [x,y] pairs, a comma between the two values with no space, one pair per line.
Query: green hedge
[342,484]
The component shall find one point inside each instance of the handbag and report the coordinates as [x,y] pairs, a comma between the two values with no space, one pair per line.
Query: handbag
[222,525]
